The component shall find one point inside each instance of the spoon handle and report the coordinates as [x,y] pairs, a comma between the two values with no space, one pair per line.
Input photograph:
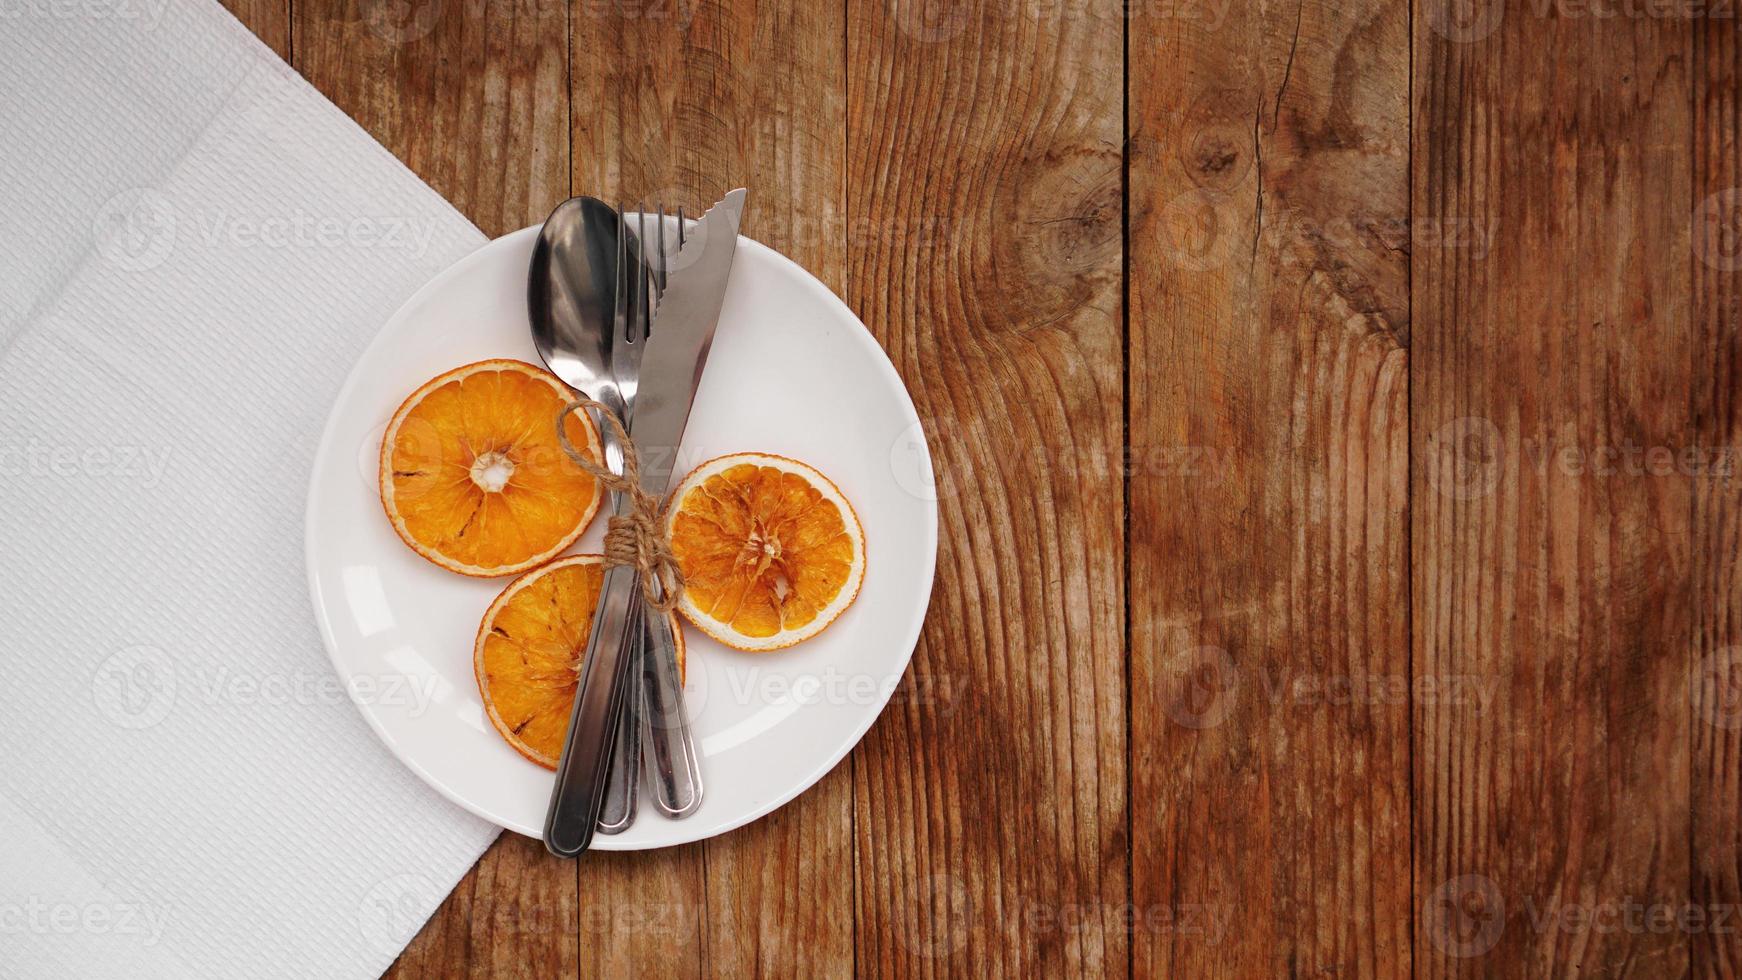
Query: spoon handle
[665,725]
[578,794]
[622,791]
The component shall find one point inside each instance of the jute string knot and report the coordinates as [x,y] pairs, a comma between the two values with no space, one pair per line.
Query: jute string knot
[635,537]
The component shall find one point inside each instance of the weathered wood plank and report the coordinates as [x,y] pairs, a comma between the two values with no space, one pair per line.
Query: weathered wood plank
[1552,546]
[474,98]
[268,19]
[1715,361]
[984,195]
[1269,494]
[678,102]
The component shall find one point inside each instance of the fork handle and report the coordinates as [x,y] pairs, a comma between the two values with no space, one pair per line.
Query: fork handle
[622,789]
[665,725]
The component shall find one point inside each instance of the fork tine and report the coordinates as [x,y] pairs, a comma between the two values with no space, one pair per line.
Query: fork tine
[661,271]
[620,305]
[643,286]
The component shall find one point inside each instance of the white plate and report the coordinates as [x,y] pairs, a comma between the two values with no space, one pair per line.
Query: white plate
[793,372]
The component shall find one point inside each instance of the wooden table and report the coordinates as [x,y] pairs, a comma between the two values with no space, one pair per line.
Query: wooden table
[1334,403]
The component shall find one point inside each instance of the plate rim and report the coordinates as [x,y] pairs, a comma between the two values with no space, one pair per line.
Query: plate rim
[318,475]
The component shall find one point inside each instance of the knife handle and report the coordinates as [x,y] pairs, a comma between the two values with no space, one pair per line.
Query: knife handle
[665,725]
[579,793]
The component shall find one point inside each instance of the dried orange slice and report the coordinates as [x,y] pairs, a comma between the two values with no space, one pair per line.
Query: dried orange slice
[771,551]
[473,476]
[529,651]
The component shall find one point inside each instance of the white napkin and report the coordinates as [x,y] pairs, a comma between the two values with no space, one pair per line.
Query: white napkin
[194,247]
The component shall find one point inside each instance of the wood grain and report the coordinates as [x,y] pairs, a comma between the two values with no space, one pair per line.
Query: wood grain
[1715,365]
[1552,555]
[1335,407]
[983,176]
[676,102]
[472,96]
[1269,413]
[268,19]
[474,99]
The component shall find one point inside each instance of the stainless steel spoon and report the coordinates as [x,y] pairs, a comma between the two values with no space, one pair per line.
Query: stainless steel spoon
[587,292]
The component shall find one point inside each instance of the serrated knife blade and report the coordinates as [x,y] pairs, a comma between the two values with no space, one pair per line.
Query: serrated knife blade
[682,334]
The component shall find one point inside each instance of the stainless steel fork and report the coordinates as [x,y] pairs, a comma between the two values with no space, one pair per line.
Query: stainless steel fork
[640,284]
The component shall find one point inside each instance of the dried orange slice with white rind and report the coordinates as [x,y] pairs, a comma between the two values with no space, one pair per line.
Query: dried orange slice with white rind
[771,550]
[473,476]
[529,651]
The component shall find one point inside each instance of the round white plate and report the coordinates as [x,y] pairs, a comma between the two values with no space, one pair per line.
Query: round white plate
[793,372]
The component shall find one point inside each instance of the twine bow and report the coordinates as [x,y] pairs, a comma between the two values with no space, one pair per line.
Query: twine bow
[636,537]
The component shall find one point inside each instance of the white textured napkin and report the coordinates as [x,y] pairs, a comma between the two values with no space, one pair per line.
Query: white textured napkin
[194,247]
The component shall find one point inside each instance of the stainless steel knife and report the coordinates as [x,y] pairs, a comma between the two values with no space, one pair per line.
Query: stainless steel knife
[671,370]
